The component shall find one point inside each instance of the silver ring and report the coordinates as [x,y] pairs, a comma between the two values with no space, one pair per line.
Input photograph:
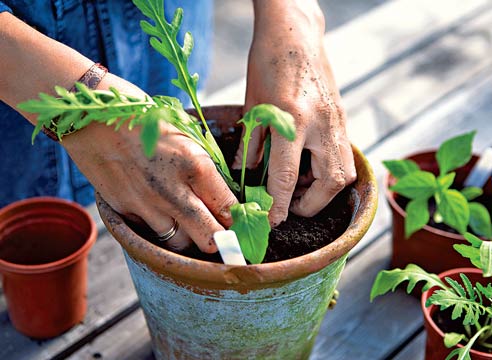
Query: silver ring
[169,234]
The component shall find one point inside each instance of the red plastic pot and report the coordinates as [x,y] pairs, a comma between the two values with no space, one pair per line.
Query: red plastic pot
[430,248]
[434,347]
[44,243]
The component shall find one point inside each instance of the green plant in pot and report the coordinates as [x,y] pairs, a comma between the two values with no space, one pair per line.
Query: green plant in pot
[432,209]
[202,309]
[456,303]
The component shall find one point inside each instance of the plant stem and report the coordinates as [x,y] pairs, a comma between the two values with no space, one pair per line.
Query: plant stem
[247,136]
[265,170]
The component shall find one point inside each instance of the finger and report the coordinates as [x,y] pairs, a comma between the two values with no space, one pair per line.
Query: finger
[197,221]
[348,161]
[255,149]
[162,225]
[330,180]
[282,174]
[211,188]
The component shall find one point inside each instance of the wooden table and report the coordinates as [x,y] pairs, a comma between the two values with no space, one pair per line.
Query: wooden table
[412,74]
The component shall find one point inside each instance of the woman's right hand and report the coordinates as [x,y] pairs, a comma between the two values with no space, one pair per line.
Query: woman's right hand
[179,182]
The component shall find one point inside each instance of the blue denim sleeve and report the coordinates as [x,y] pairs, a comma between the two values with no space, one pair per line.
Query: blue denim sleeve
[4,7]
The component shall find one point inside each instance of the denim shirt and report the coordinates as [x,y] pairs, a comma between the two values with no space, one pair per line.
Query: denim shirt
[106,31]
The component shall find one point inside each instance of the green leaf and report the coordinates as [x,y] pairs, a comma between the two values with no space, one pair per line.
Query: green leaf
[417,216]
[471,192]
[480,220]
[469,252]
[387,280]
[463,353]
[416,185]
[454,210]
[252,228]
[455,152]
[259,195]
[486,258]
[400,168]
[149,135]
[446,181]
[452,339]
[271,115]
[474,240]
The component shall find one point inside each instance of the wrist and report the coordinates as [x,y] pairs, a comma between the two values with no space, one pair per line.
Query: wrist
[289,16]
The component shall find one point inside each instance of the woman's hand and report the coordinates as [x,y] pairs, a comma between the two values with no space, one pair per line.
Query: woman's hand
[180,181]
[288,67]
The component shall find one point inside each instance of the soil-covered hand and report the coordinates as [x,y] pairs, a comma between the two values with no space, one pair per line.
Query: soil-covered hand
[288,67]
[180,181]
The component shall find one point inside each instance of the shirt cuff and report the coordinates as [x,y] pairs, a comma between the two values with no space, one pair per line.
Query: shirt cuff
[4,7]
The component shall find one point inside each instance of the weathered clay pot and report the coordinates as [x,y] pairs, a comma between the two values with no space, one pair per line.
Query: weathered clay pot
[44,243]
[435,348]
[430,248]
[203,310]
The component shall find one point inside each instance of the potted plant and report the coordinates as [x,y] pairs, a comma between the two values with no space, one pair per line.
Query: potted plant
[197,308]
[456,304]
[432,209]
[44,244]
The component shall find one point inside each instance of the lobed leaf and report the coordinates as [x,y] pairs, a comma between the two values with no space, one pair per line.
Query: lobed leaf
[387,280]
[455,152]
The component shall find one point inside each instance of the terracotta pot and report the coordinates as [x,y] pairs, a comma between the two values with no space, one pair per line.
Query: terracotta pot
[430,248]
[434,347]
[44,243]
[203,310]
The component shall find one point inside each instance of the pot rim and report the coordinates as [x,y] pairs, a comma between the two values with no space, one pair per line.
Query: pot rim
[218,275]
[391,195]
[7,266]
[431,309]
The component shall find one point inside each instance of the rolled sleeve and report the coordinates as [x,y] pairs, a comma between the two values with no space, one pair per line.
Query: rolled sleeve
[4,7]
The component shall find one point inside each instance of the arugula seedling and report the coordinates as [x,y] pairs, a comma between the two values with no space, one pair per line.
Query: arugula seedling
[454,207]
[111,107]
[470,303]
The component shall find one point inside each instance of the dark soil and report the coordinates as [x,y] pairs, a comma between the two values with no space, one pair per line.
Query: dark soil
[485,200]
[446,324]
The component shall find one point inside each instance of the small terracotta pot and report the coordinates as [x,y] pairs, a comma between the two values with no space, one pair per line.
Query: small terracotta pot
[202,310]
[44,243]
[434,347]
[430,248]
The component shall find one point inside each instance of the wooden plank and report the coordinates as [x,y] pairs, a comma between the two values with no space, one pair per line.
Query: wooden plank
[382,36]
[127,340]
[358,329]
[414,84]
[110,291]
[467,109]
[415,350]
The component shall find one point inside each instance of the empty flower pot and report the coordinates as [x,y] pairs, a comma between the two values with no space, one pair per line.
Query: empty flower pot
[44,243]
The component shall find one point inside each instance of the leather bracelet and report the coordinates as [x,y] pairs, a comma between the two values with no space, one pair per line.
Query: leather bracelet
[91,79]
